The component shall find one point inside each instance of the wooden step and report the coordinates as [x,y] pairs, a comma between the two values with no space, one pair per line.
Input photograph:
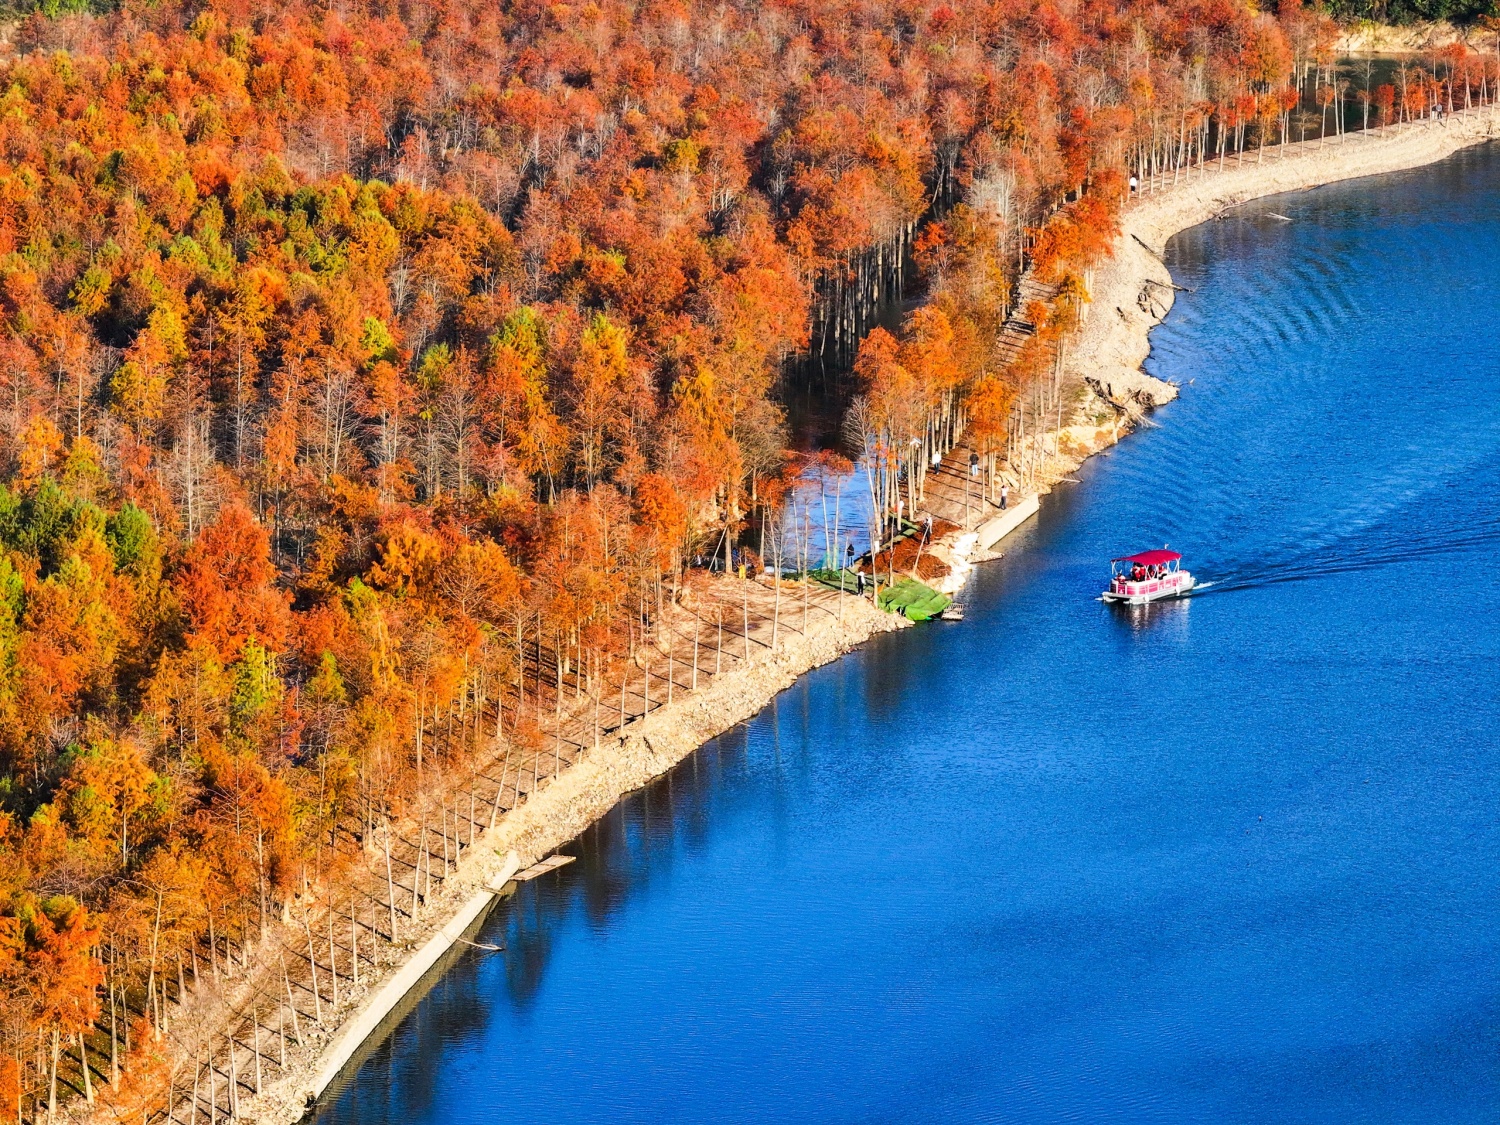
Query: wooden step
[551,863]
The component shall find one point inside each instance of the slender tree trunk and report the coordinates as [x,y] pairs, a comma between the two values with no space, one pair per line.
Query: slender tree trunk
[234,1084]
[114,1042]
[313,965]
[390,883]
[291,1003]
[333,965]
[83,1065]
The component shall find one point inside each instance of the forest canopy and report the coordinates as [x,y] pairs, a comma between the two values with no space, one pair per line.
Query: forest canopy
[353,355]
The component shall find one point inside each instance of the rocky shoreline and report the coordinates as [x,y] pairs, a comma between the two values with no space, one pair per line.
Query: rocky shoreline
[1133,291]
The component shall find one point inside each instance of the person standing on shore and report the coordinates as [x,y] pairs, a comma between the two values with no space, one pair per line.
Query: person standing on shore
[1004,495]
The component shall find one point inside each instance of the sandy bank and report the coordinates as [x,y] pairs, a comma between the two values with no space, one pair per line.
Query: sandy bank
[1133,291]
[586,792]
[1368,38]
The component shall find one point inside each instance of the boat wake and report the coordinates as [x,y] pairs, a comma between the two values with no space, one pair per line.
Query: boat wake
[1386,549]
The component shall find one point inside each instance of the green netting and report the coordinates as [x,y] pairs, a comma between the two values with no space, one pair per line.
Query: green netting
[914,600]
[931,607]
[845,580]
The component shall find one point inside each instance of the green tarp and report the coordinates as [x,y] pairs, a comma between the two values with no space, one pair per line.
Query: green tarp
[845,580]
[913,600]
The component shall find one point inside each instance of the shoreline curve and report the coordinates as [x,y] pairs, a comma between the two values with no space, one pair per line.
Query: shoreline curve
[1133,290]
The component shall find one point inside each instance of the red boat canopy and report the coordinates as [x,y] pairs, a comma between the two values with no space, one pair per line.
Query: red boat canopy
[1150,558]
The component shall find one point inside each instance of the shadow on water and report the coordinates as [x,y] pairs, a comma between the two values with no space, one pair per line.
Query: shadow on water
[1139,618]
[1425,528]
[619,856]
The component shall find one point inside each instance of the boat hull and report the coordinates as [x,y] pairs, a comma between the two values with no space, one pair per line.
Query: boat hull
[1178,584]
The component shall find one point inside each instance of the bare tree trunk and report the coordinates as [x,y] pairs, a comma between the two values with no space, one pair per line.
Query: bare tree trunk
[333,965]
[290,1003]
[313,964]
[83,1065]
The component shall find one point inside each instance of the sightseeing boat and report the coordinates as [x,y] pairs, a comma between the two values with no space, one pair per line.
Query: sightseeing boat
[1147,577]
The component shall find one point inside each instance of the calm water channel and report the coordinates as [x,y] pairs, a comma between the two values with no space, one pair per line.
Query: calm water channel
[1231,860]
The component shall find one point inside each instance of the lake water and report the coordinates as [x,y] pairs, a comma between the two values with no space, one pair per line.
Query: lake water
[1229,860]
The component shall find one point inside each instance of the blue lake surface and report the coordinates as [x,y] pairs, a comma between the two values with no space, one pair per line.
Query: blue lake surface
[1235,859]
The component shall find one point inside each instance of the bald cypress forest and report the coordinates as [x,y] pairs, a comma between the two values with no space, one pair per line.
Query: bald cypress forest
[369,369]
